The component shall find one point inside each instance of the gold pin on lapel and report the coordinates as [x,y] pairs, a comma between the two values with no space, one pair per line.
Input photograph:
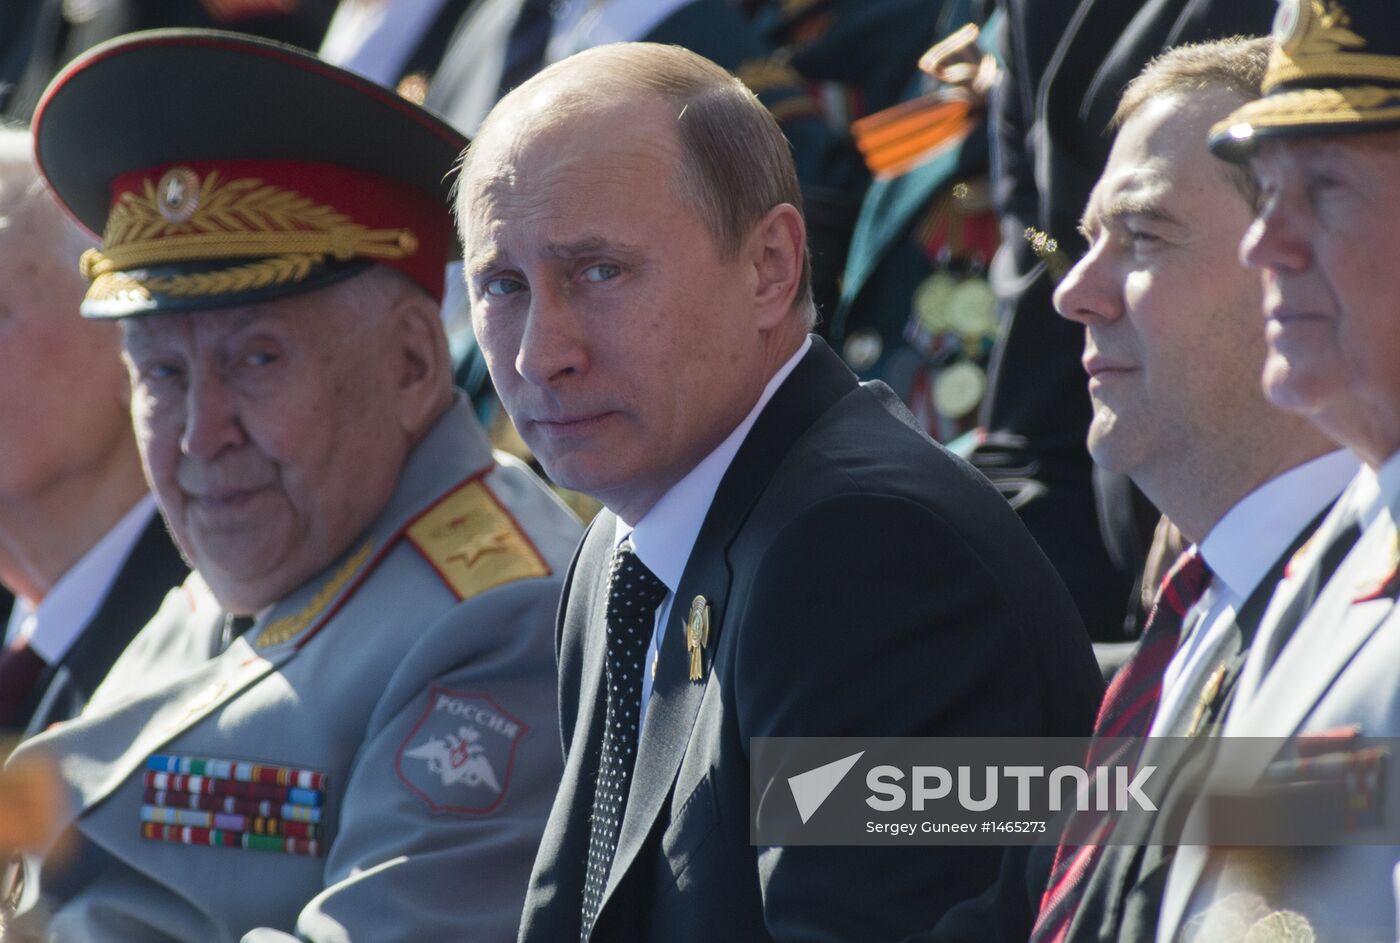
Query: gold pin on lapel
[1208,696]
[697,635]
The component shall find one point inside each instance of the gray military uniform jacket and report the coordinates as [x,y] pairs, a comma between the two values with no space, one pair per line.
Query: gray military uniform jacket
[416,673]
[1335,677]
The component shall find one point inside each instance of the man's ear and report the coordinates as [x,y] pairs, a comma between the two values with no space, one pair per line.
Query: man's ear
[777,248]
[424,366]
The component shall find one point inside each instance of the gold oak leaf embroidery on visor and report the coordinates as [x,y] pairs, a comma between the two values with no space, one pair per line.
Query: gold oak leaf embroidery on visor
[181,218]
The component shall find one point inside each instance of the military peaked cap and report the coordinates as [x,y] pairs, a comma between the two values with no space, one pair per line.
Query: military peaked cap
[225,170]
[1334,69]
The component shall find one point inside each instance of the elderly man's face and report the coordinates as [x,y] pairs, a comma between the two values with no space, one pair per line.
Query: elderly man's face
[1173,340]
[621,342]
[62,387]
[268,435]
[1327,242]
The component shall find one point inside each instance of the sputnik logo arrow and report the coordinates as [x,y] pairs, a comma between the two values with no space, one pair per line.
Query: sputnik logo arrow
[811,789]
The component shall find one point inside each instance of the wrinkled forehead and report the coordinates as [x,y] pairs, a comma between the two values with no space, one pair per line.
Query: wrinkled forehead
[567,130]
[212,325]
[1283,153]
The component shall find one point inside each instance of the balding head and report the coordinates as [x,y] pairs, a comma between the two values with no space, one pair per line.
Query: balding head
[28,211]
[60,377]
[68,463]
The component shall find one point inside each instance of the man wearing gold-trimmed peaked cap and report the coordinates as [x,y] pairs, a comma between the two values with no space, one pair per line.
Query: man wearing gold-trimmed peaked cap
[1323,145]
[344,725]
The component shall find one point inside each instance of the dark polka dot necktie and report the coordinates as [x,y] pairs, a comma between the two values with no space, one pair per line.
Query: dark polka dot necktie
[634,592]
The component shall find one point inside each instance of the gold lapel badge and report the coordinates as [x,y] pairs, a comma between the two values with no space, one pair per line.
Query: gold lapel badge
[697,635]
[1207,700]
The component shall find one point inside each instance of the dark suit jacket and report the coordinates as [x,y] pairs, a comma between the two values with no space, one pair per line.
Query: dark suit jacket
[862,582]
[153,568]
[1067,62]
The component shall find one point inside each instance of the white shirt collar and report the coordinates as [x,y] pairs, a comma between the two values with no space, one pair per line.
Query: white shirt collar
[1388,480]
[665,535]
[1252,535]
[1373,489]
[56,623]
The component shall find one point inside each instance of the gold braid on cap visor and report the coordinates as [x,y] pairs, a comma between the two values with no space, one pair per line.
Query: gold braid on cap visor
[1361,104]
[243,218]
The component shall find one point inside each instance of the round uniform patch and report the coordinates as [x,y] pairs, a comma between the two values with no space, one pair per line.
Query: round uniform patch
[177,194]
[460,754]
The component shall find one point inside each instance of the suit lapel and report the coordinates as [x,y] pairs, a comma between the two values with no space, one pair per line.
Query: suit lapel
[1147,877]
[812,388]
[1326,641]
[1295,573]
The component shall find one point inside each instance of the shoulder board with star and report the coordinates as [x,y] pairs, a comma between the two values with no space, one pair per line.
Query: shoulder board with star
[473,542]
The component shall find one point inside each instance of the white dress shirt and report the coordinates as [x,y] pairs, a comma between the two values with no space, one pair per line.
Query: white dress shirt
[1239,550]
[666,534]
[56,623]
[1375,488]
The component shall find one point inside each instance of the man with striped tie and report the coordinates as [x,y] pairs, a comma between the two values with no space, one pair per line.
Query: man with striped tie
[1324,146]
[1173,349]
[343,725]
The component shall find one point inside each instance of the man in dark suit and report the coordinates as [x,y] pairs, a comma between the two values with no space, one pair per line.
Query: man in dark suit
[1173,347]
[82,548]
[1067,62]
[782,554]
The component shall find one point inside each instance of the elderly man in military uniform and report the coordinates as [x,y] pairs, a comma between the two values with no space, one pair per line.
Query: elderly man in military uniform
[1323,144]
[344,725]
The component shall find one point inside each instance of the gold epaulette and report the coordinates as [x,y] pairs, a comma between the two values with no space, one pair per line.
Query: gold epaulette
[474,543]
[287,627]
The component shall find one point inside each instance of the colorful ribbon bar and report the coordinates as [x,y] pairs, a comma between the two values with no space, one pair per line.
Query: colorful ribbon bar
[228,822]
[175,782]
[190,835]
[265,808]
[237,771]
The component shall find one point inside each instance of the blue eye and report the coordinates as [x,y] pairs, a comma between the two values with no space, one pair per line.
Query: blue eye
[502,286]
[602,272]
[157,373]
[259,359]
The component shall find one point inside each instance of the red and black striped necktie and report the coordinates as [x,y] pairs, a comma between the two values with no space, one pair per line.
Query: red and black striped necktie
[1127,710]
[20,669]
